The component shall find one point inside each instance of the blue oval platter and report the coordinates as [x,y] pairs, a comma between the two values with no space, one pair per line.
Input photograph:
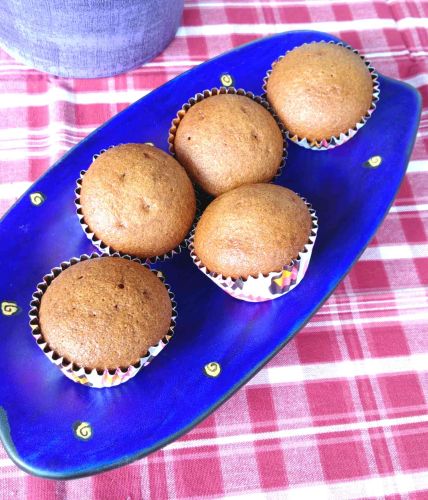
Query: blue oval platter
[55,428]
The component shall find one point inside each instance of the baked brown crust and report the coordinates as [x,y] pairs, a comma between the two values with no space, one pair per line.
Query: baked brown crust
[138,200]
[320,90]
[227,140]
[256,228]
[105,313]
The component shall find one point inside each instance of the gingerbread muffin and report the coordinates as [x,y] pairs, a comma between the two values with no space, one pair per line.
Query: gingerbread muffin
[227,140]
[253,229]
[320,90]
[138,200]
[104,313]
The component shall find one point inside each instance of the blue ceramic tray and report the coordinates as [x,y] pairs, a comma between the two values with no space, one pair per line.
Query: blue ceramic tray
[53,427]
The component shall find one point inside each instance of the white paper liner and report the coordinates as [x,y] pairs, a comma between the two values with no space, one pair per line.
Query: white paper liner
[93,378]
[264,287]
[107,249]
[332,142]
[200,96]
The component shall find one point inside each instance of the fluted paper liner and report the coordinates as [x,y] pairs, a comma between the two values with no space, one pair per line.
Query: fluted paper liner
[79,374]
[264,287]
[200,96]
[108,249]
[332,142]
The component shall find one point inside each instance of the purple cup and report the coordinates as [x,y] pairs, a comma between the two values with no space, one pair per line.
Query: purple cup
[87,38]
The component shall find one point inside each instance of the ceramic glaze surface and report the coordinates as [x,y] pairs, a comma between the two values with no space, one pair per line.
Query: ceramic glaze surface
[56,428]
[87,39]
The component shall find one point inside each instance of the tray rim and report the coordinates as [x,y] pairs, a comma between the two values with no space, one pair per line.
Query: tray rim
[5,437]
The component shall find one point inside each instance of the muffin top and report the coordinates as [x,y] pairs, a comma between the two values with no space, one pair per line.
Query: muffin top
[320,90]
[228,140]
[105,313]
[256,228]
[138,200]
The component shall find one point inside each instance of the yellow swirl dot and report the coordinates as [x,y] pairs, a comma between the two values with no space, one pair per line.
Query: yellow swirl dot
[226,80]
[212,369]
[9,308]
[82,430]
[374,161]
[37,198]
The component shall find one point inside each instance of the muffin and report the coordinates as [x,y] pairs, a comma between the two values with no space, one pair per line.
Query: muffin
[321,90]
[255,241]
[103,315]
[227,140]
[253,229]
[137,200]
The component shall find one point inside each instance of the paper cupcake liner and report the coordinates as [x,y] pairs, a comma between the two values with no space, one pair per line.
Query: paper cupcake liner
[332,142]
[108,249]
[229,90]
[79,374]
[264,286]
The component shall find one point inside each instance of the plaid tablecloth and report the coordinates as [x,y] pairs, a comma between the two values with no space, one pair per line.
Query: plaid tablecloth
[342,411]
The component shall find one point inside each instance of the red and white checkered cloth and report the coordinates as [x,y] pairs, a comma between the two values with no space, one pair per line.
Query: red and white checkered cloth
[342,411]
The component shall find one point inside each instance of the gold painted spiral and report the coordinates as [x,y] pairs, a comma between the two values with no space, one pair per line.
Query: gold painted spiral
[83,430]
[212,369]
[374,161]
[226,80]
[37,198]
[9,308]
